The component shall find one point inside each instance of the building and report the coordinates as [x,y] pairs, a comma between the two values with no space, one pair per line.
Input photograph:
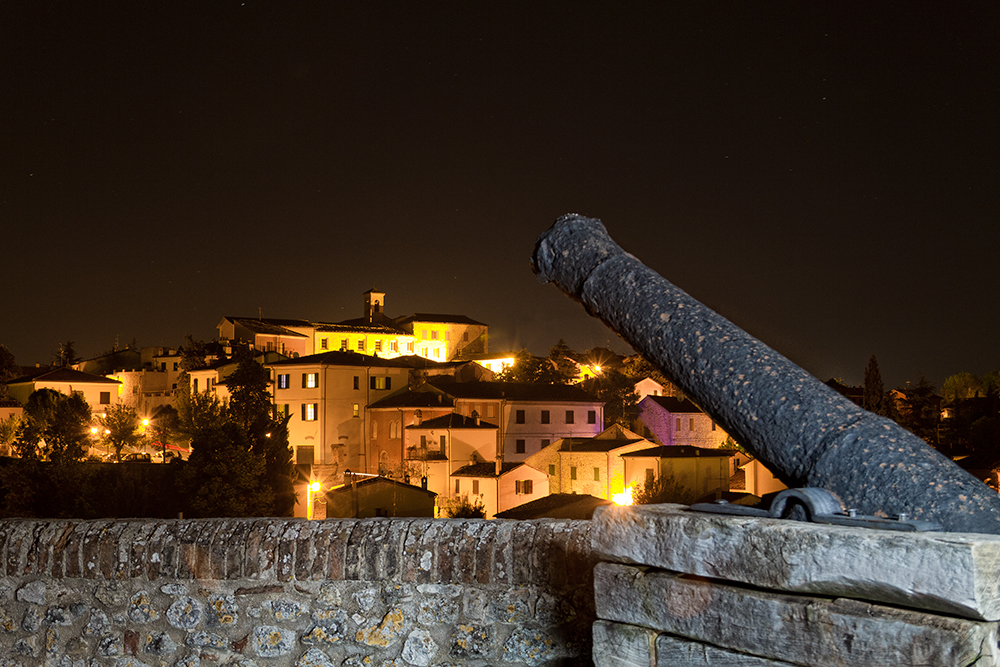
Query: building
[438,447]
[368,497]
[99,392]
[292,338]
[325,396]
[591,466]
[499,488]
[388,418]
[556,506]
[669,420]
[529,416]
[695,471]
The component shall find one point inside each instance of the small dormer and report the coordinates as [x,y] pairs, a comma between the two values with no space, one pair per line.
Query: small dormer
[374,305]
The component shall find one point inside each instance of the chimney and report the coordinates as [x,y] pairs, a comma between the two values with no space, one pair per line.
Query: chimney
[475,416]
[418,417]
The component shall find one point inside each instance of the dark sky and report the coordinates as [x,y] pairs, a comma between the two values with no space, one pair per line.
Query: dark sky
[823,174]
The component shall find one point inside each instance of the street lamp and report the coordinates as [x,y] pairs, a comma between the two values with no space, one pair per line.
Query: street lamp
[313,487]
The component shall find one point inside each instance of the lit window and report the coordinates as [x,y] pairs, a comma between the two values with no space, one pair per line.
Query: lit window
[423,334]
[309,412]
[343,345]
[434,335]
[409,347]
[393,346]
[572,472]
[357,410]
[283,381]
[597,474]
[361,345]
[378,346]
[380,382]
[310,380]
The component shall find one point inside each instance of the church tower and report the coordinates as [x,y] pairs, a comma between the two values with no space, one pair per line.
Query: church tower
[374,306]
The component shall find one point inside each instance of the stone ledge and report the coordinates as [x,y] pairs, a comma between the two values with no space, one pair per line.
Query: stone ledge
[472,551]
[797,629]
[954,573]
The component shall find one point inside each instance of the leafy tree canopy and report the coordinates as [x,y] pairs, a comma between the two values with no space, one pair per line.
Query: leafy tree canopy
[537,370]
[54,427]
[875,398]
[961,386]
[121,426]
[617,390]
[66,355]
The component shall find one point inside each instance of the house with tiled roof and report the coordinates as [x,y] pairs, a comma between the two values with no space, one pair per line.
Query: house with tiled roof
[529,416]
[673,420]
[292,338]
[499,488]
[591,465]
[99,392]
[388,418]
[697,470]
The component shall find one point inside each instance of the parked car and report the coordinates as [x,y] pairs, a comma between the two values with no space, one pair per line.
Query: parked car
[137,457]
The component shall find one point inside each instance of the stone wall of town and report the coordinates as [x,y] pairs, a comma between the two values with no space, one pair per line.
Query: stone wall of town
[286,592]
[686,589]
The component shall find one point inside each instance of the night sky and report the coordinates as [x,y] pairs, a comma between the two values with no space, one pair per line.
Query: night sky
[823,174]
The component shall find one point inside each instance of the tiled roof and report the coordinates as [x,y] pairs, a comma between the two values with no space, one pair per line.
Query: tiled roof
[514,391]
[414,399]
[679,452]
[276,321]
[371,481]
[354,326]
[453,420]
[270,327]
[338,358]
[64,375]
[486,469]
[674,404]
[556,506]
[435,317]
[595,444]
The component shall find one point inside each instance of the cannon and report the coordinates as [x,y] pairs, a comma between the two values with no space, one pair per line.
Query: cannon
[807,434]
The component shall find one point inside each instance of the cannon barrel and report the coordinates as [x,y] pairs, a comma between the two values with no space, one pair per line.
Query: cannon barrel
[803,431]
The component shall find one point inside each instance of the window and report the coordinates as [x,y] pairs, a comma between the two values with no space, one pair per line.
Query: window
[597,474]
[691,424]
[310,380]
[678,423]
[357,382]
[572,472]
[393,346]
[519,446]
[380,382]
[437,353]
[475,487]
[423,334]
[324,344]
[283,381]
[163,366]
[434,335]
[545,416]
[649,477]
[378,346]
[409,347]
[194,385]
[591,416]
[569,416]
[105,397]
[423,442]
[443,443]
[361,345]
[545,442]
[519,416]
[528,487]
[447,335]
[282,409]
[713,426]
[357,410]
[458,486]
[343,345]
[552,468]
[491,410]
[309,412]
[175,365]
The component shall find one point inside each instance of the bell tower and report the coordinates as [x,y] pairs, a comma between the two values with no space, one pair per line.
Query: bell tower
[374,305]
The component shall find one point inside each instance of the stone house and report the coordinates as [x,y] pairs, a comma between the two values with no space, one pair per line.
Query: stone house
[378,497]
[698,470]
[671,420]
[499,488]
[591,466]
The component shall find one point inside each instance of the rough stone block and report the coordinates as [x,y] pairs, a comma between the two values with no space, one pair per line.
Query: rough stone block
[798,629]
[955,573]
[677,652]
[623,645]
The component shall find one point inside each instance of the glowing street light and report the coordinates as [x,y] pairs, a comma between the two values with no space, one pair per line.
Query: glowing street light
[314,487]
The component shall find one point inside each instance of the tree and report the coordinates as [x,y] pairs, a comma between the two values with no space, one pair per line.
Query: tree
[875,398]
[54,427]
[8,433]
[192,358]
[461,508]
[564,360]
[223,476]
[66,355]
[664,489]
[618,393]
[961,386]
[121,425]
[163,426]
[921,411]
[532,369]
[9,369]
[638,367]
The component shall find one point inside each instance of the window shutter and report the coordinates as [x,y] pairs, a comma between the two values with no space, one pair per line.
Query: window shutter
[303,412]
[371,382]
[388,382]
[304,380]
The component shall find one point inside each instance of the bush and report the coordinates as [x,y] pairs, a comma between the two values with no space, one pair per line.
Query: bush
[463,509]
[665,490]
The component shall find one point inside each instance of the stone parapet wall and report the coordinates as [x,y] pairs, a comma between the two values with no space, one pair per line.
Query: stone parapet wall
[686,589]
[294,592]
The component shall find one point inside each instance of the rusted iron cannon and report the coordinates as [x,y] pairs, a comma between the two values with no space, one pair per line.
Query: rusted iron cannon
[806,433]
